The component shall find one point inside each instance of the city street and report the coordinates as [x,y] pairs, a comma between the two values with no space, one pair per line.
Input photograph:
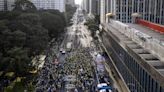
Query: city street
[71,68]
[81,45]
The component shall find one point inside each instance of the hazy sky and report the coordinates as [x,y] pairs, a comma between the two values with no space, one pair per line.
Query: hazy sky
[78,1]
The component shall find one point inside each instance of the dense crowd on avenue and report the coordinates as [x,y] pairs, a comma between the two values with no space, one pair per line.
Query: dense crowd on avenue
[77,63]
[80,65]
[46,79]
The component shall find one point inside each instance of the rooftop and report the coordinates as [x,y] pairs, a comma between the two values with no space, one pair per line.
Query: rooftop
[150,40]
[147,31]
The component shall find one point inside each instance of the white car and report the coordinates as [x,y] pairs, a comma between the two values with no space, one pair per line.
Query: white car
[103,87]
[63,52]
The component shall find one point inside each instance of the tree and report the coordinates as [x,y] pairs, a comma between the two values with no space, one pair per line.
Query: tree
[58,13]
[92,26]
[24,5]
[37,40]
[18,61]
[37,36]
[18,38]
[53,23]
[69,12]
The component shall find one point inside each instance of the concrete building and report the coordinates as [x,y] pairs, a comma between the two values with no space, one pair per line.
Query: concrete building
[10,4]
[137,49]
[71,2]
[50,4]
[6,5]
[150,10]
[137,53]
[2,5]
[85,5]
[91,6]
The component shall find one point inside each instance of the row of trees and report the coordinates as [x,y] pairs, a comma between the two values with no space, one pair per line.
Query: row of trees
[93,25]
[69,13]
[24,33]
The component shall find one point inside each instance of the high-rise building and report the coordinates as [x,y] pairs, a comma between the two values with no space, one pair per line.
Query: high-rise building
[94,6]
[91,6]
[150,10]
[6,5]
[50,4]
[85,5]
[10,4]
[71,2]
[140,67]
[2,5]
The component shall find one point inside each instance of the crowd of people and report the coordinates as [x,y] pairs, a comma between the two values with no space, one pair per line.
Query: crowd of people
[79,64]
[47,81]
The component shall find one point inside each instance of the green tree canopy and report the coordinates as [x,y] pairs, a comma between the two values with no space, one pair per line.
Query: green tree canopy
[53,23]
[18,61]
[37,36]
[24,5]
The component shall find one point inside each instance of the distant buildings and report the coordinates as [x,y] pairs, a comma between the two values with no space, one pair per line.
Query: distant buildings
[150,10]
[6,5]
[85,5]
[2,5]
[70,2]
[50,4]
[91,6]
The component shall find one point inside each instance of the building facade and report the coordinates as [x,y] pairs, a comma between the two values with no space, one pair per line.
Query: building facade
[150,10]
[50,4]
[94,6]
[71,2]
[2,5]
[6,5]
[85,5]
[140,70]
[91,6]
